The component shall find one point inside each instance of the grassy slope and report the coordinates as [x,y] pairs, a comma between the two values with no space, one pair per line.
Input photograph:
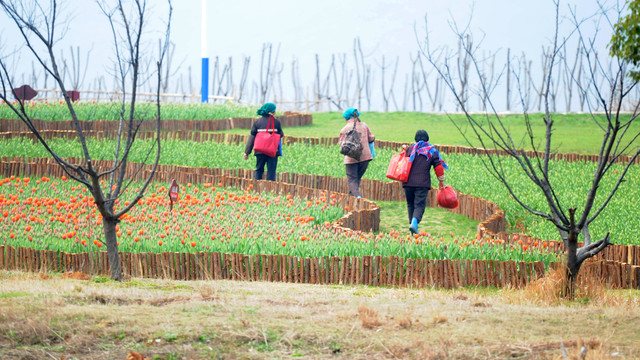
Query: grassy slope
[257,320]
[573,133]
[393,216]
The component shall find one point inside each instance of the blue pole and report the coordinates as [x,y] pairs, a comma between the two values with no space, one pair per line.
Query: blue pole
[205,80]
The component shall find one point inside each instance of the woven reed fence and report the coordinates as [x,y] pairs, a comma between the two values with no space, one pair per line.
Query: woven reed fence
[365,270]
[286,120]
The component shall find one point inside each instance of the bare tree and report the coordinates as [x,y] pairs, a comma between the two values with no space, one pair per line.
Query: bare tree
[76,72]
[508,84]
[463,62]
[222,79]
[416,85]
[489,78]
[540,90]
[37,24]
[360,70]
[526,83]
[266,70]
[388,95]
[243,77]
[619,137]
[570,77]
[295,78]
[434,94]
[169,72]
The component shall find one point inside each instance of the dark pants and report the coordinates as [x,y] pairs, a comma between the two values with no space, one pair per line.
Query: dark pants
[272,164]
[416,201]
[354,174]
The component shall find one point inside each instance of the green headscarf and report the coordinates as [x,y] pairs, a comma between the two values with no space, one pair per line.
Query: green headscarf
[266,109]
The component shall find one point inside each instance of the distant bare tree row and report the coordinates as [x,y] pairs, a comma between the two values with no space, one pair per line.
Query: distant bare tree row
[368,81]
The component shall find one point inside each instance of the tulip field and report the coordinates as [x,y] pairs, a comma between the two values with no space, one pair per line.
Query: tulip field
[467,175]
[57,214]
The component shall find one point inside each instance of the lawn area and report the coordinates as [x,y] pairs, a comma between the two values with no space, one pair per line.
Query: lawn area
[437,221]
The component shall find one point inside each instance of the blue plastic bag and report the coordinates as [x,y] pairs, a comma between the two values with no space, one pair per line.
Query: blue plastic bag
[372,148]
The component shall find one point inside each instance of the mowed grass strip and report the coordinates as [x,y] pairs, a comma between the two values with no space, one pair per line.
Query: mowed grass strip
[438,222]
[163,319]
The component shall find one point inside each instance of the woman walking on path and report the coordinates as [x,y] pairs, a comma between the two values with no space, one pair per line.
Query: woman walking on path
[423,156]
[265,123]
[355,168]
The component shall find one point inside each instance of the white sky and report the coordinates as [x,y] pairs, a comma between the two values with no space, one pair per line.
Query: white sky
[303,28]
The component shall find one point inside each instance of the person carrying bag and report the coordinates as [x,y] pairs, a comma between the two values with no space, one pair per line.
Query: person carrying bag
[265,141]
[422,157]
[356,157]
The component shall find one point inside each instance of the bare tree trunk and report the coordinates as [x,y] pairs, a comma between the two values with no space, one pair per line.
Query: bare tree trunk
[508,102]
[317,87]
[265,71]
[243,77]
[295,78]
[463,70]
[387,96]
[110,235]
[367,85]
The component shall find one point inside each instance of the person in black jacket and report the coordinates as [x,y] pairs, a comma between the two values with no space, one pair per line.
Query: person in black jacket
[423,156]
[267,111]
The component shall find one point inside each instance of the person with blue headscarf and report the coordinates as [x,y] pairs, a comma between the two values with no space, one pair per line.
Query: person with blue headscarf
[267,112]
[423,156]
[355,168]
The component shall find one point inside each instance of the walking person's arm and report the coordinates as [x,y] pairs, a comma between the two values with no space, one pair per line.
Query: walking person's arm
[249,147]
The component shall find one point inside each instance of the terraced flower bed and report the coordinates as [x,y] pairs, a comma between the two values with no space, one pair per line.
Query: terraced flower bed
[467,175]
[56,214]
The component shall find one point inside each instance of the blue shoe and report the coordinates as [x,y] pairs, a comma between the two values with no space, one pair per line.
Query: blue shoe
[414,226]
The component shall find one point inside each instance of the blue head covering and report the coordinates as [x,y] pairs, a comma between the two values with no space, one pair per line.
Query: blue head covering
[350,112]
[266,109]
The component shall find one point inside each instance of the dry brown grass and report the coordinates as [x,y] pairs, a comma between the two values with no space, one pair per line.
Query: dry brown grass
[550,290]
[369,317]
[161,319]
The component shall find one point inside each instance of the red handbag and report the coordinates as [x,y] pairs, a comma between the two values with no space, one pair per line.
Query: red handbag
[447,198]
[399,167]
[267,142]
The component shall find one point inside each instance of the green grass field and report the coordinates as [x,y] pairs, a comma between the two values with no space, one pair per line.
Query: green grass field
[573,133]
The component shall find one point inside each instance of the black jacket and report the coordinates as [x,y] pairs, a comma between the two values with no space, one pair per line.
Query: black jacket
[261,125]
[420,175]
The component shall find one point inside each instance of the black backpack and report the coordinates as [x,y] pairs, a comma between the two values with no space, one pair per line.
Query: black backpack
[352,146]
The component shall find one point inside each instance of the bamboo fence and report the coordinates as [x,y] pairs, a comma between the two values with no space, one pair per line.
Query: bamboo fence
[366,270]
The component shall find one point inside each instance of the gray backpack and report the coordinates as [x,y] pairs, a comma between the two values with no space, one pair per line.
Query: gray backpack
[352,146]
